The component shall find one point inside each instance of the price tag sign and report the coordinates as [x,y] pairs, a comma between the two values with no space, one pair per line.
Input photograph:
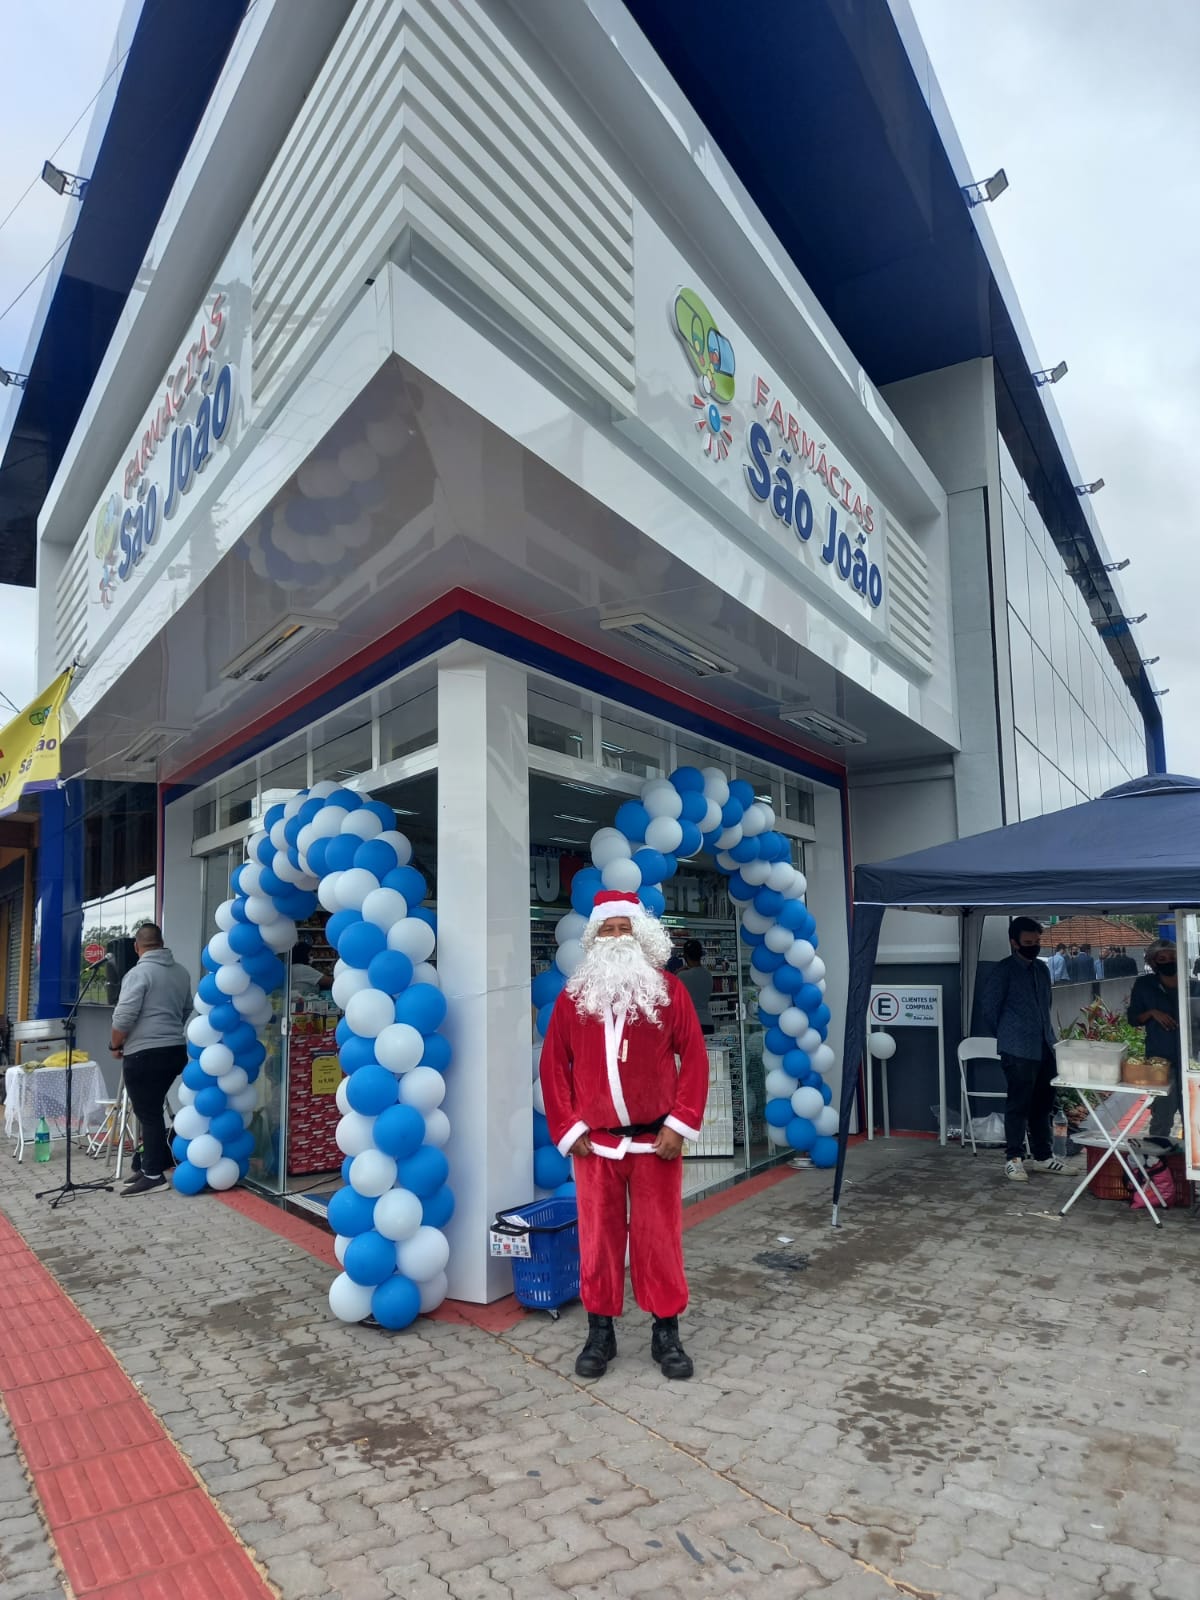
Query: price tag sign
[326,1075]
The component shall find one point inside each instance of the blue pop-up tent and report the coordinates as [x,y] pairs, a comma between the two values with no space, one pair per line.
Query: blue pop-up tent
[1136,848]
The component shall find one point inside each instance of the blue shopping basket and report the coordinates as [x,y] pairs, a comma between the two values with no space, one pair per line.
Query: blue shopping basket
[549,1276]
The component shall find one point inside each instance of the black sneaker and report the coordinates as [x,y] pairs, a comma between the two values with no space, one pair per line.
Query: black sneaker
[666,1349]
[142,1184]
[599,1349]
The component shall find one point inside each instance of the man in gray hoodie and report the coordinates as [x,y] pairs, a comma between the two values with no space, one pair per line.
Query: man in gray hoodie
[148,1023]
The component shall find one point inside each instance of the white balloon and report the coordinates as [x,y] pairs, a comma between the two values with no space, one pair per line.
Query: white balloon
[251,999]
[756,872]
[260,909]
[798,888]
[234,1081]
[569,957]
[250,879]
[277,836]
[780,1085]
[570,926]
[774,1000]
[372,1173]
[342,1098]
[253,844]
[413,937]
[326,786]
[201,1007]
[284,869]
[369,1012]
[662,799]
[827,1121]
[808,1103]
[223,1174]
[327,892]
[305,839]
[187,1095]
[779,939]
[423,1088]
[399,1047]
[754,922]
[539,1098]
[771,1062]
[350,1301]
[216,1059]
[729,837]
[220,949]
[245,1100]
[624,874]
[780,876]
[711,819]
[424,972]
[399,842]
[424,1255]
[664,833]
[800,954]
[730,863]
[340,1242]
[201,1031]
[354,887]
[777,1136]
[754,820]
[204,1150]
[232,979]
[433,1292]
[823,1060]
[355,1133]
[362,824]
[223,916]
[261,1015]
[794,1022]
[609,844]
[882,1046]
[347,984]
[814,972]
[327,823]
[437,1125]
[768,811]
[810,1042]
[716,785]
[279,935]
[290,807]
[383,907]
[397,1214]
[189,1123]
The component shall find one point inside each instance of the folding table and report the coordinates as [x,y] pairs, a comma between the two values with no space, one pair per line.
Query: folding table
[1116,1134]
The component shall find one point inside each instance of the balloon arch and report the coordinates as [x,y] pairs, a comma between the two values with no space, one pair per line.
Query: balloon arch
[674,819]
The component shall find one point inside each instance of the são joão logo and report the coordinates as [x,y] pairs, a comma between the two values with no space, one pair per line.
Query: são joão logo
[711,356]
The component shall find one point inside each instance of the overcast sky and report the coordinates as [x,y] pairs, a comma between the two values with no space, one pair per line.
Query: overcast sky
[1095,118]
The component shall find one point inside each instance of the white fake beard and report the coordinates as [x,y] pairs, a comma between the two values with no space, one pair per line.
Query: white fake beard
[616,973]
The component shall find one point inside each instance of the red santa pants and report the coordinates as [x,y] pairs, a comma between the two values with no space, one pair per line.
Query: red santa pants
[638,1199]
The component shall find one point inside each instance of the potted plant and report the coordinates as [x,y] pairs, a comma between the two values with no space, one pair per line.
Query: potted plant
[1096,1043]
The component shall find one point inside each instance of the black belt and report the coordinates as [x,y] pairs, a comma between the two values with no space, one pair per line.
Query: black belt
[636,1130]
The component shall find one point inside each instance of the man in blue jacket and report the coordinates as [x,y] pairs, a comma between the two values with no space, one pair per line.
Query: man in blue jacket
[1014,1008]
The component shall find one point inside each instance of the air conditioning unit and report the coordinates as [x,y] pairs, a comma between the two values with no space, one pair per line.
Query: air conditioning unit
[145,749]
[669,645]
[275,647]
[821,726]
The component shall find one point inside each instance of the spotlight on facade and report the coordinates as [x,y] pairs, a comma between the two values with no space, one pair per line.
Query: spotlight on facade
[1149,661]
[68,184]
[1050,374]
[1089,488]
[990,189]
[1116,566]
[1160,692]
[15,380]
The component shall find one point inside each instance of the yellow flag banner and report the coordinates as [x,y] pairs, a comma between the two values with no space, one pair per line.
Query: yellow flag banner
[29,746]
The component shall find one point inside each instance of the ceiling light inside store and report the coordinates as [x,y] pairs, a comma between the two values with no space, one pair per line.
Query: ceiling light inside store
[557,838]
[819,725]
[565,816]
[662,641]
[275,647]
[585,788]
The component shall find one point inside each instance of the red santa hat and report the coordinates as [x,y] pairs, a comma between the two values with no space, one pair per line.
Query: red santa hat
[615,903]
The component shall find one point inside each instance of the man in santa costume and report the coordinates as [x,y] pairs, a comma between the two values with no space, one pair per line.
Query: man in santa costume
[624,1074]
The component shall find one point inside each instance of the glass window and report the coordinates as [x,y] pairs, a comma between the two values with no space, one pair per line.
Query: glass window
[408,727]
[1044,701]
[1023,686]
[204,815]
[237,799]
[1051,800]
[798,803]
[1057,647]
[766,785]
[1039,600]
[341,755]
[1063,753]
[625,748]
[286,772]
[560,725]
[1015,559]
[1029,782]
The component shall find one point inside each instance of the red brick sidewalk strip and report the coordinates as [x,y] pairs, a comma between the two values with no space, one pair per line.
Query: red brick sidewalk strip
[129,1517]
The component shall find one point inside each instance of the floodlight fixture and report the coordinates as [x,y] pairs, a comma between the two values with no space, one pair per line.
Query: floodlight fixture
[1050,374]
[1116,566]
[13,380]
[1089,488]
[68,184]
[990,189]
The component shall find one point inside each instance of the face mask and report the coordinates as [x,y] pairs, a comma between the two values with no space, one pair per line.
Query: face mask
[1169,968]
[1030,951]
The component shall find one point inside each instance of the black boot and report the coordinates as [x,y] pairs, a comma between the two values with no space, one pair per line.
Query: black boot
[666,1349]
[592,1361]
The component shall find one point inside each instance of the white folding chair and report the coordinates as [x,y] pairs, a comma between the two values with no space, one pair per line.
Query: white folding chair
[975,1049]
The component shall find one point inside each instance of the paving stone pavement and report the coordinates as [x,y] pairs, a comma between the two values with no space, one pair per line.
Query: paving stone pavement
[958,1394]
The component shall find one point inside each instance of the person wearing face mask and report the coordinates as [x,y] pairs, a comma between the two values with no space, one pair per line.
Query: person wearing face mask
[1154,1005]
[1014,1008]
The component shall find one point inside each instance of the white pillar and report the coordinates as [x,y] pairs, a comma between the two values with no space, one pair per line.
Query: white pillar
[483,953]
[826,900]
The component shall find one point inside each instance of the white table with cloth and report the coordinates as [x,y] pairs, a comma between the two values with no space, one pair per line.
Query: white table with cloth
[42,1092]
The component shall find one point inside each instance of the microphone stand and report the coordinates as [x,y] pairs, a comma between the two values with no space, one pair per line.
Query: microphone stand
[68,1189]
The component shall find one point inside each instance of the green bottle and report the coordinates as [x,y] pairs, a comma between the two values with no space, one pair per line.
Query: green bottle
[41,1143]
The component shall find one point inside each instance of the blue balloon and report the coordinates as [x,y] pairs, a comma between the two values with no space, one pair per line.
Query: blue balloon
[356,1054]
[766,961]
[225,1017]
[266,852]
[237,909]
[541,1131]
[439,1208]
[801,1134]
[775,847]
[768,1018]
[422,913]
[208,991]
[189,1179]
[767,902]
[549,1168]
[240,1040]
[211,1101]
[195,1076]
[346,1169]
[409,882]
[309,809]
[688,780]
[792,915]
[796,1063]
[695,806]
[437,1052]
[272,815]
[812,1080]
[632,819]
[585,886]
[826,1092]
[788,980]
[399,1131]
[251,1072]
[754,940]
[252,1058]
[208,961]
[396,1304]
[546,987]
[390,971]
[742,792]
[316,853]
[370,1258]
[822,1016]
[343,1033]
[235,881]
[652,864]
[426,1171]
[341,851]
[777,1042]
[565,1191]
[543,1019]
[179,1148]
[345,798]
[246,939]
[672,867]
[384,812]
[243,1166]
[351,1213]
[738,888]
[360,944]
[654,900]
[731,813]
[372,1089]
[194,1051]
[377,856]
[241,1148]
[271,883]
[779,1113]
[338,924]
[291,828]
[692,842]
[299,904]
[824,1152]
[745,850]
[267,970]
[422,1006]
[227,1127]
